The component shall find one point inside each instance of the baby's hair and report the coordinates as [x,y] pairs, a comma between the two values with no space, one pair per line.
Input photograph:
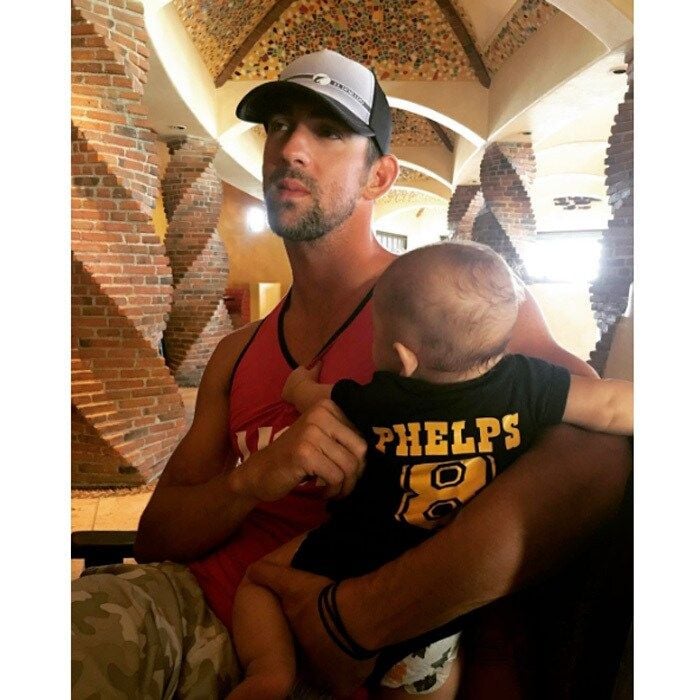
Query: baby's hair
[454,304]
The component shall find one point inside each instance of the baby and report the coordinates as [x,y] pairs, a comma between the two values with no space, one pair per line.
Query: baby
[446,411]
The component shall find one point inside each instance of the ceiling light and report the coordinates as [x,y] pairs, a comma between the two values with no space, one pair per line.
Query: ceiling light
[178,127]
[526,133]
[256,219]
[618,70]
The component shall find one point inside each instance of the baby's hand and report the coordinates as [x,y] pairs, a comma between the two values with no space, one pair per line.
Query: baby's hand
[296,381]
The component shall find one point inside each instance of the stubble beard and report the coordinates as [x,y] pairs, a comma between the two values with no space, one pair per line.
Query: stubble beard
[309,225]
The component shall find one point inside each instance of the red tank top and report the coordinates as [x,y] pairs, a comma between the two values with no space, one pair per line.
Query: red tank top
[257,415]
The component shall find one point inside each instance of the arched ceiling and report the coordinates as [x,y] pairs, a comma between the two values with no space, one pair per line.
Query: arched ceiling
[458,73]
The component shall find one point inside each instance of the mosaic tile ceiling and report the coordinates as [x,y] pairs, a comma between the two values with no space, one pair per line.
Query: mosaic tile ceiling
[218,27]
[387,36]
[411,198]
[522,23]
[399,39]
[412,130]
[410,177]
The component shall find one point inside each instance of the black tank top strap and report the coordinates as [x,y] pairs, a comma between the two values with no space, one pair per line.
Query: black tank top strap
[334,336]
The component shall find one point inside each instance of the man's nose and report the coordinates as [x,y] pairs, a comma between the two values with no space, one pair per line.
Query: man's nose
[295,148]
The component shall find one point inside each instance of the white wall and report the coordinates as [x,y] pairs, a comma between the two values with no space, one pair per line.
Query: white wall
[567,310]
[422,230]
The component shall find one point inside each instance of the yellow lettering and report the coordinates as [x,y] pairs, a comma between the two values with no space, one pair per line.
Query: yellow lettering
[488,428]
[384,435]
[459,445]
[509,425]
[409,442]
[434,492]
[436,432]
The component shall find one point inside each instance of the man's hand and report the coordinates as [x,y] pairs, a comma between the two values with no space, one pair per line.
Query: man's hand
[298,592]
[322,443]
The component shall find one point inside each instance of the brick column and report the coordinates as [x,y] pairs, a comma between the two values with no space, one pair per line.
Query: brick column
[609,292]
[467,201]
[127,415]
[192,200]
[507,222]
[237,300]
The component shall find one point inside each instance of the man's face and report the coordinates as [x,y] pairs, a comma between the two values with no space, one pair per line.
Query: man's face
[314,169]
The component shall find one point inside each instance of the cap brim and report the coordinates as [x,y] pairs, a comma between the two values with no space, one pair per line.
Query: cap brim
[263,100]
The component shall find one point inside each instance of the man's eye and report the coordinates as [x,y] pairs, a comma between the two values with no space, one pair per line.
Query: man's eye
[330,132]
[275,125]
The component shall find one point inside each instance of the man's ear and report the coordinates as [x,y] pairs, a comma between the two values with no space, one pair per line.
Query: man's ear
[382,175]
[408,359]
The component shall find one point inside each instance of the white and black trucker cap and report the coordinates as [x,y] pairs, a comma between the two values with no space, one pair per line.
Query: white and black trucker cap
[348,88]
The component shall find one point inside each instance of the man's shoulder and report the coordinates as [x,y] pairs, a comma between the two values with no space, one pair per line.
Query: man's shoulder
[228,352]
[521,362]
[235,342]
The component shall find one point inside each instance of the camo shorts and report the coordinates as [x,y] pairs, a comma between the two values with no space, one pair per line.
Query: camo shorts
[426,670]
[145,631]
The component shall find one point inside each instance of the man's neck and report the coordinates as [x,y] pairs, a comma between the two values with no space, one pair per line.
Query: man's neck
[331,276]
[341,265]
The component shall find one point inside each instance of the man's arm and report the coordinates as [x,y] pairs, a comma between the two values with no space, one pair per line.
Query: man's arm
[201,499]
[546,503]
[516,530]
[538,510]
[534,514]
[194,505]
[531,336]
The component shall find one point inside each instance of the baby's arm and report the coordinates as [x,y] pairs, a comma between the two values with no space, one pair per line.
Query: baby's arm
[605,405]
[262,637]
[303,390]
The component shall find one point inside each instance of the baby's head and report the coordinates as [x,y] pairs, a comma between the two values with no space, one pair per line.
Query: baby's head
[444,312]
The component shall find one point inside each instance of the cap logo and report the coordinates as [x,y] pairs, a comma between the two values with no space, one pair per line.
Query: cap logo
[324,79]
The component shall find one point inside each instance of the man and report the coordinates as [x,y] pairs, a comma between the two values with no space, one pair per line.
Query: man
[326,161]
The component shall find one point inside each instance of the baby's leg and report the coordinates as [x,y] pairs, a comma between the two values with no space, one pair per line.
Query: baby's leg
[262,638]
[432,672]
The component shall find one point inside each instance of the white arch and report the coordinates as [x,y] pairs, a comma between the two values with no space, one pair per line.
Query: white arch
[430,113]
[425,171]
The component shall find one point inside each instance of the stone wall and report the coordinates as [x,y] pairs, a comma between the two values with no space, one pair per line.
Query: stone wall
[610,291]
[499,213]
[466,203]
[126,413]
[192,200]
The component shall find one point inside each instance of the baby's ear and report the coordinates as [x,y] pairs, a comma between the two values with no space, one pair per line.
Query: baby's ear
[408,359]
